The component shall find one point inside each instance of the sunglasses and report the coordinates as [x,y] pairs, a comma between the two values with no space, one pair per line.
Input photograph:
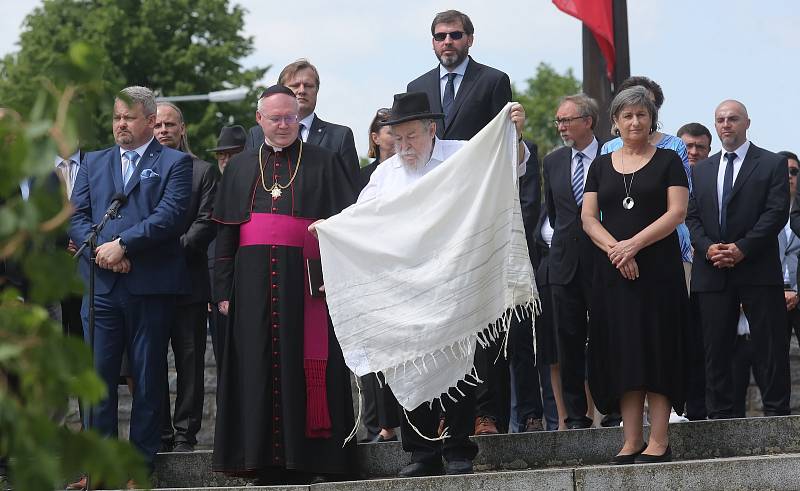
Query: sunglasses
[455,35]
[793,171]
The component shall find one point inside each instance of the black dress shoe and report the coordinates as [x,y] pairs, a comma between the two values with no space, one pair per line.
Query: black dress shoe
[183,447]
[644,458]
[456,467]
[579,425]
[380,439]
[419,469]
[627,459]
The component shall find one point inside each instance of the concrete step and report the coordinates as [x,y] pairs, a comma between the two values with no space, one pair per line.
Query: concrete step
[517,452]
[773,472]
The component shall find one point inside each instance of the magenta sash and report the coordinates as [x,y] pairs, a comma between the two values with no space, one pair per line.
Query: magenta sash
[284,230]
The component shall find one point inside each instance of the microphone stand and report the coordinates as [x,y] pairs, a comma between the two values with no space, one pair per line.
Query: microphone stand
[91,243]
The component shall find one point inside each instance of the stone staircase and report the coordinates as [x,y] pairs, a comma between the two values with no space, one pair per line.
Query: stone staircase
[755,453]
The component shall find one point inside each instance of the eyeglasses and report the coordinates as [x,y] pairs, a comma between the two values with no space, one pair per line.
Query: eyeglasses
[288,119]
[566,121]
[793,171]
[455,35]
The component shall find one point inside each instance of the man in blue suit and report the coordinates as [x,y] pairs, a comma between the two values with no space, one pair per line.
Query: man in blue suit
[140,264]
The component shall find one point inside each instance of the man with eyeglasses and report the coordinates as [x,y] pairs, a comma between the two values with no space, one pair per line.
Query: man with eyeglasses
[571,251]
[469,95]
[284,404]
[303,79]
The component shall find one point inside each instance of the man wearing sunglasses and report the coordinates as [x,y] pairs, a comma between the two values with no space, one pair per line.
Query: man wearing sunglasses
[459,79]
[469,95]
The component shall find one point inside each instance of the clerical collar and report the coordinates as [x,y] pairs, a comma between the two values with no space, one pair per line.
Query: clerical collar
[274,148]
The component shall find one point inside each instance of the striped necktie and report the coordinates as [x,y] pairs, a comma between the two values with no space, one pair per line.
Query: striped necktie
[577,179]
[68,170]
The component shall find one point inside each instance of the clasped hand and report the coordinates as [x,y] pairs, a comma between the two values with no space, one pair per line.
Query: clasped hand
[724,255]
[111,256]
[622,256]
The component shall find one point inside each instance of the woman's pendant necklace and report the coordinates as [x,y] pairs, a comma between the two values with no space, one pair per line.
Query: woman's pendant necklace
[627,202]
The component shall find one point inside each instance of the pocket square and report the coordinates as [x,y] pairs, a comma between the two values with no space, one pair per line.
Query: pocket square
[148,173]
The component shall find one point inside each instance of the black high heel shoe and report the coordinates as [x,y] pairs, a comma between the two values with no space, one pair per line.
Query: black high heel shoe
[644,458]
[627,459]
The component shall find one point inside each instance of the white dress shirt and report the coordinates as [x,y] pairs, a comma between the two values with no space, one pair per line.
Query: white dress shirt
[306,128]
[459,71]
[589,153]
[67,173]
[547,232]
[139,150]
[392,176]
[737,166]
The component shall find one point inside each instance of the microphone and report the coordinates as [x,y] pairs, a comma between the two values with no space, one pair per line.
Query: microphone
[117,202]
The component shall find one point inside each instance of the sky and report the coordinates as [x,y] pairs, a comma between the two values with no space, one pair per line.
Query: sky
[700,52]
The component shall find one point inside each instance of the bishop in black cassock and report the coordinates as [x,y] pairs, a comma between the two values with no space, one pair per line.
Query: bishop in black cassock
[284,398]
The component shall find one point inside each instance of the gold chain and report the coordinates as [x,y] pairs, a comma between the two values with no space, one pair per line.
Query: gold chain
[276,184]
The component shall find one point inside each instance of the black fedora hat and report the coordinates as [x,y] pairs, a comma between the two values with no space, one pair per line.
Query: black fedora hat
[410,106]
[230,137]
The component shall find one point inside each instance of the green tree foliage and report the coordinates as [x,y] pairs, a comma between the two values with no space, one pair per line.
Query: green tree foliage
[39,367]
[540,100]
[175,47]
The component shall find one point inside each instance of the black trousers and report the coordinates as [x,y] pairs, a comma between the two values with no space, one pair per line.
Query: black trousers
[765,309]
[458,418]
[188,337]
[73,325]
[696,365]
[381,409]
[571,306]
[522,359]
[493,396]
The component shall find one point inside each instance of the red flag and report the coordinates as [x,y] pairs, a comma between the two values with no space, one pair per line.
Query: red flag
[598,16]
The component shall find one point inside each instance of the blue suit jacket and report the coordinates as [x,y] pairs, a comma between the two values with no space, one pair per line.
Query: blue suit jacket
[150,223]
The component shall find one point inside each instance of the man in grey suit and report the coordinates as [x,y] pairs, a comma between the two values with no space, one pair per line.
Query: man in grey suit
[303,78]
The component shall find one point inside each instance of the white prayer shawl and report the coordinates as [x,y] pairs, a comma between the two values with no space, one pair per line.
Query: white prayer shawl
[414,279]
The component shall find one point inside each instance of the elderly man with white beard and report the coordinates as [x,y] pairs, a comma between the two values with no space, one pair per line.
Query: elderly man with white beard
[419,151]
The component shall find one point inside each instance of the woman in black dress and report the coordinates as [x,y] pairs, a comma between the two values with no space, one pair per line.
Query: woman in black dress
[634,198]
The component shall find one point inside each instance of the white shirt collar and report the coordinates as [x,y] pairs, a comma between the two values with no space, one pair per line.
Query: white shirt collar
[75,157]
[461,69]
[590,151]
[437,154]
[139,150]
[308,121]
[740,152]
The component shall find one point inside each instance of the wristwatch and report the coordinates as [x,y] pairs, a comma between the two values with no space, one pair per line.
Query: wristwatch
[123,245]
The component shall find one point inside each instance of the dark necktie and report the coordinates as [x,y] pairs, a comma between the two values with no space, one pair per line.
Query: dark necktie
[727,185]
[449,96]
[300,127]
